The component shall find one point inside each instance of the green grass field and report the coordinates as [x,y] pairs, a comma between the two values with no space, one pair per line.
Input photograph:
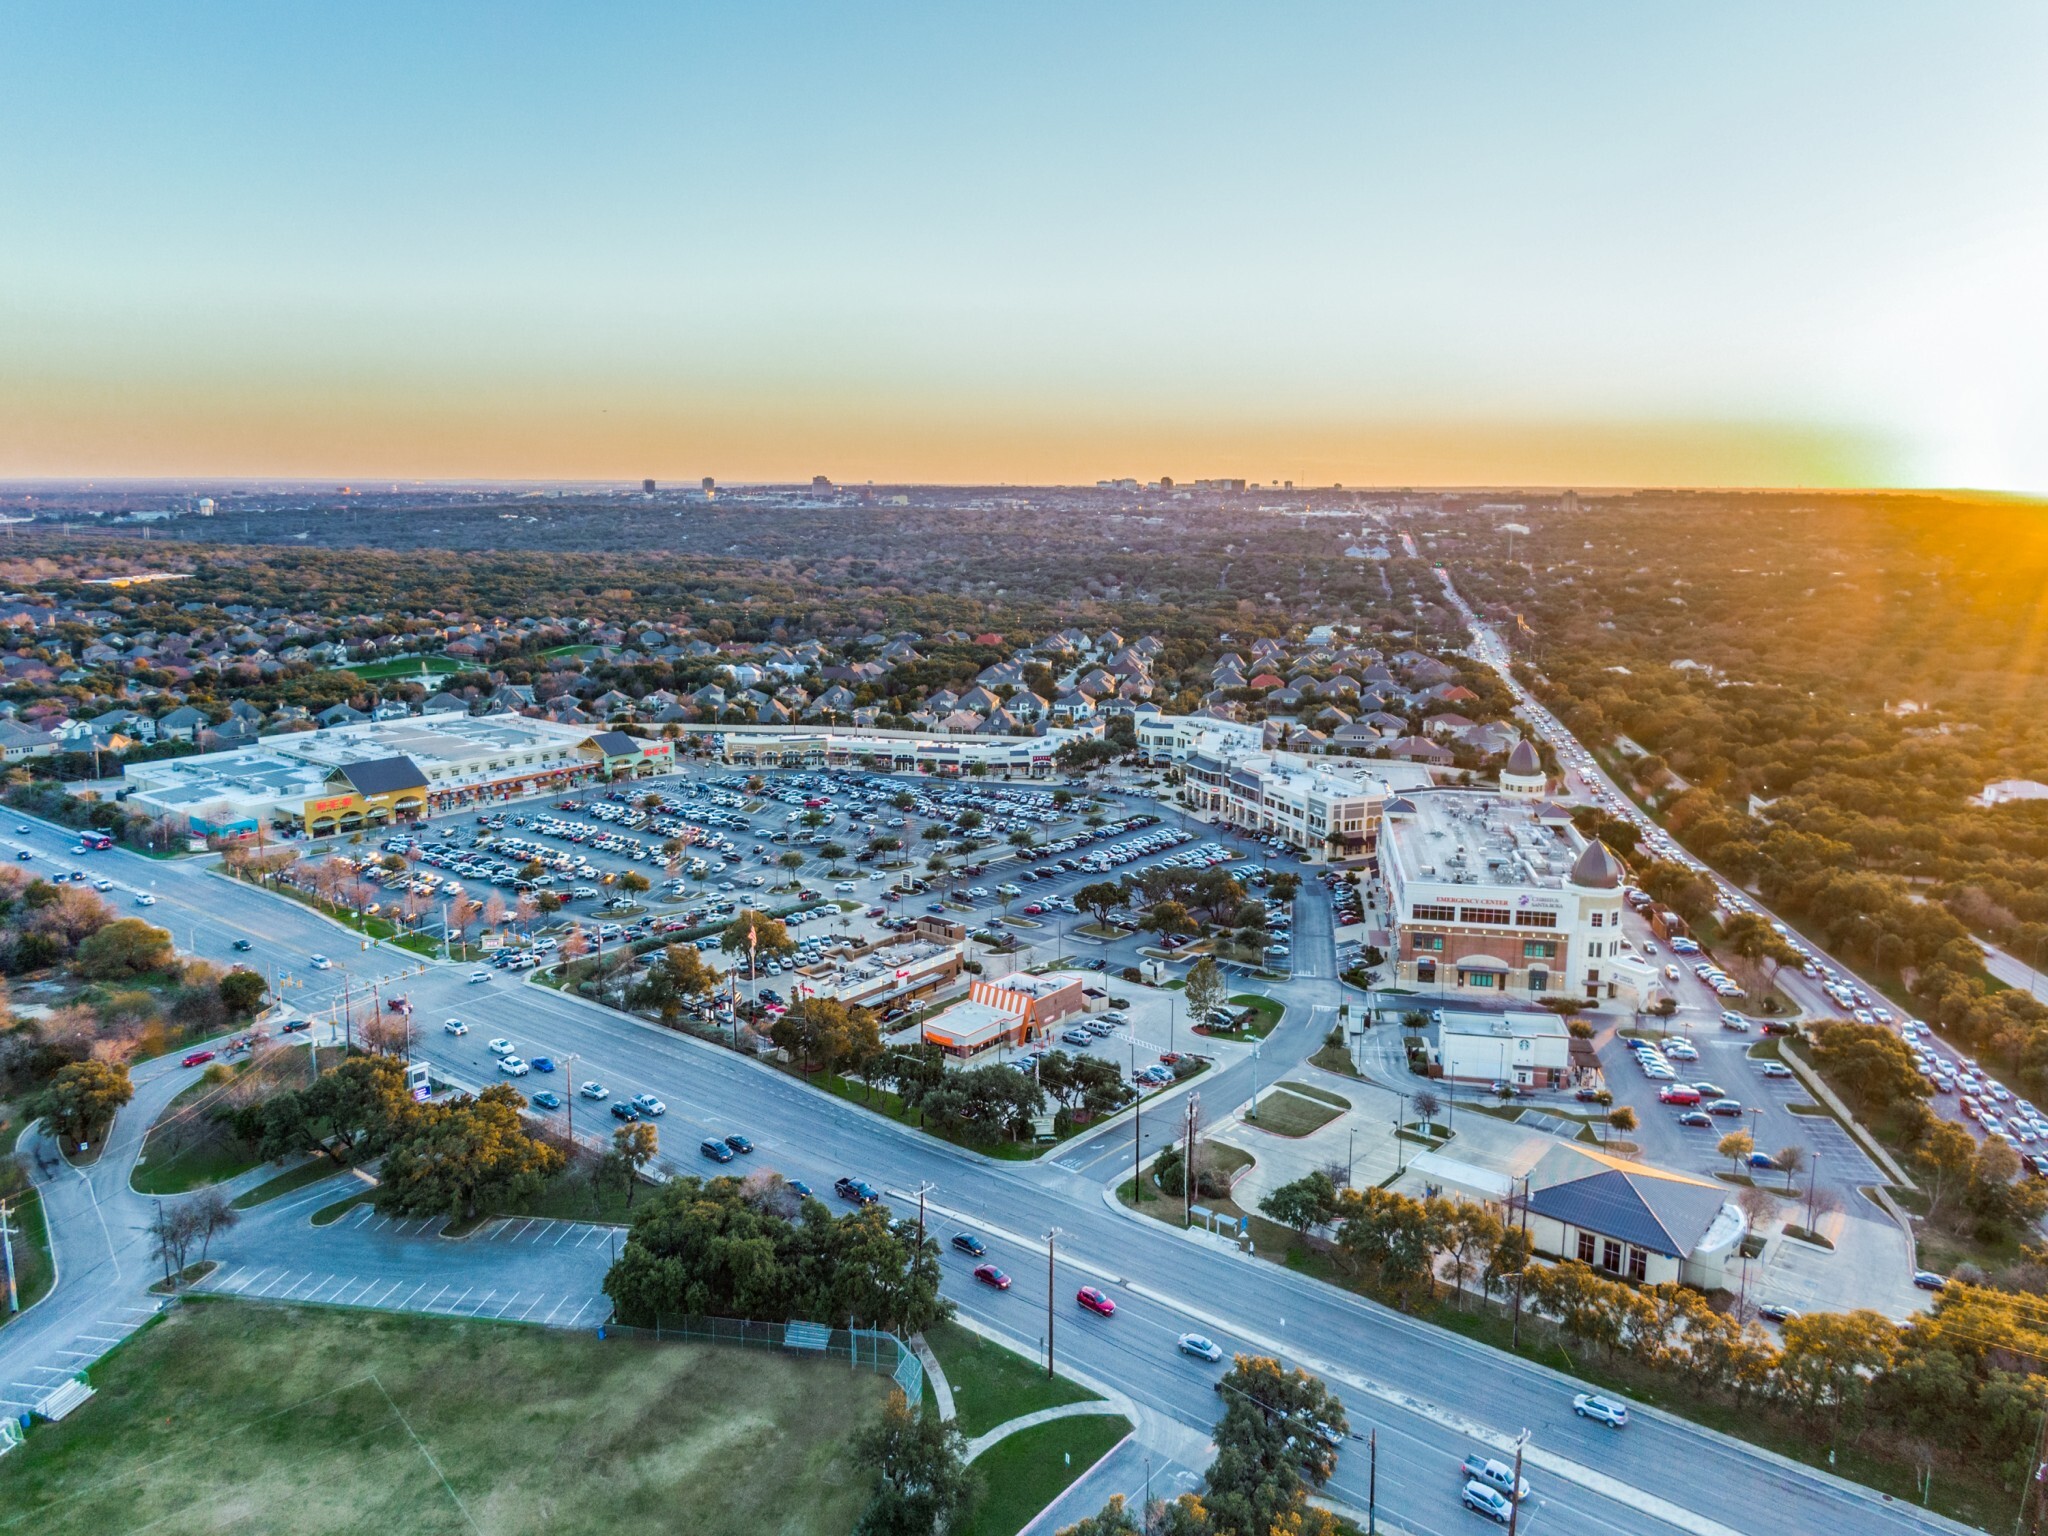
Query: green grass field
[233,1418]
[1283,1112]
[1027,1471]
[405,666]
[992,1385]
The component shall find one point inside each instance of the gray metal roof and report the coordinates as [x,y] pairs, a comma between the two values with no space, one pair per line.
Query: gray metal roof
[1662,1215]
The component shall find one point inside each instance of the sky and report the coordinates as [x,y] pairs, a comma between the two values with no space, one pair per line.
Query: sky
[1375,244]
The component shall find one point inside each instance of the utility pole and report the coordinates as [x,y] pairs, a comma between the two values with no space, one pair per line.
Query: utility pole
[1515,1485]
[922,1190]
[1187,1165]
[2035,1484]
[1372,1482]
[1515,1340]
[7,1246]
[1138,1147]
[569,1099]
[1812,1191]
[1051,1239]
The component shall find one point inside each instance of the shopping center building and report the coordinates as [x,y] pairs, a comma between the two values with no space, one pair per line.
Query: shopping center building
[382,772]
[1030,757]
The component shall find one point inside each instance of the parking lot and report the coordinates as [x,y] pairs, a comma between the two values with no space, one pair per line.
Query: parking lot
[1762,1107]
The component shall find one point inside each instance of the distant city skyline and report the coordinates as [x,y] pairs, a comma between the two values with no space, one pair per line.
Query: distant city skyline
[1591,245]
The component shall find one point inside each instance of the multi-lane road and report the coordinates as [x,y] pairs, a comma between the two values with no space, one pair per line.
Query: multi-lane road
[1432,1396]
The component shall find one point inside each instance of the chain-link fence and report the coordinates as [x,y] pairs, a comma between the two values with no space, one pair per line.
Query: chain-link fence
[863,1349]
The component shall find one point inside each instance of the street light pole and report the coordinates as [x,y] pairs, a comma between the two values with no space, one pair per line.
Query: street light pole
[1051,1238]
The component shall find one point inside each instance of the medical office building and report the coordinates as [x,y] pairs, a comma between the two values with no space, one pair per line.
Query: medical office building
[1498,897]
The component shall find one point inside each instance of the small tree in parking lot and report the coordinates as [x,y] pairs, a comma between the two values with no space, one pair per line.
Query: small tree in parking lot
[1735,1146]
[635,882]
[791,861]
[1205,991]
[770,938]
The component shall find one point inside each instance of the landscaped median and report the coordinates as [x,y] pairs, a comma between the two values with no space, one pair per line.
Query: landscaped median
[1030,1436]
[34,1271]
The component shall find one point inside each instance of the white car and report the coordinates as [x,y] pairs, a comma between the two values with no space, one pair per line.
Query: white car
[478,976]
[103,884]
[512,1066]
[1604,1409]
[1200,1347]
[145,900]
[594,1090]
[455,1027]
[320,963]
[500,1046]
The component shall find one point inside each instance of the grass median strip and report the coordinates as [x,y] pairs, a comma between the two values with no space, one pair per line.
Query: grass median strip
[1284,1112]
[1025,1472]
[284,1183]
[993,1385]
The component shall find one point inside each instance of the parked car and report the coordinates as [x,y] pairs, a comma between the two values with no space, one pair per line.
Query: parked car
[1775,1069]
[1928,1280]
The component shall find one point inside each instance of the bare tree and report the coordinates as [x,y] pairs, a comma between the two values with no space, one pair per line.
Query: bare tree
[211,1216]
[1426,1105]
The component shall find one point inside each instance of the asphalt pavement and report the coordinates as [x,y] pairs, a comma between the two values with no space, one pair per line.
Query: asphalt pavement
[1433,1396]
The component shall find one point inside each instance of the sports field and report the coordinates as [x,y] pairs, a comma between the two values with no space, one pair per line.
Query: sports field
[228,1417]
[405,667]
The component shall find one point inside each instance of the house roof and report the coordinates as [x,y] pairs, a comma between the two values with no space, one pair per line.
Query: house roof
[1664,1215]
[383,775]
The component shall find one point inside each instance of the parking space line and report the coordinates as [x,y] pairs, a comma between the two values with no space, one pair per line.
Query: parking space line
[285,1294]
[410,1294]
[507,1306]
[436,1301]
[566,1232]
[554,1309]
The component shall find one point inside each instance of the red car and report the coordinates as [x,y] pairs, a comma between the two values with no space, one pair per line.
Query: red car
[1095,1301]
[988,1274]
[877,912]
[198,1058]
